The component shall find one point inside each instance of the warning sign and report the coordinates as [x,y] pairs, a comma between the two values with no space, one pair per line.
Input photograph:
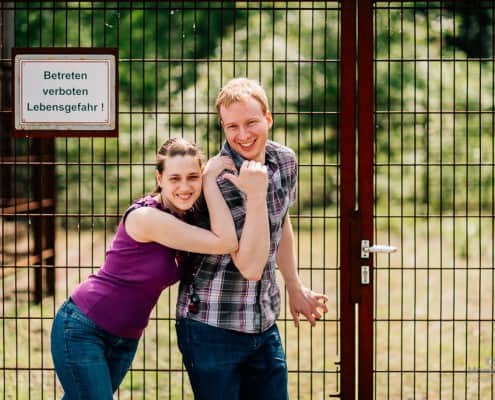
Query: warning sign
[64,93]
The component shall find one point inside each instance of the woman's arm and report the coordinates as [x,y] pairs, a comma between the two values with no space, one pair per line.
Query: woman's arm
[148,224]
[254,244]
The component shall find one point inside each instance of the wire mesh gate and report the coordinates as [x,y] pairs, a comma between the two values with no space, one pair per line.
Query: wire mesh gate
[427,324]
[434,197]
[173,59]
[424,325]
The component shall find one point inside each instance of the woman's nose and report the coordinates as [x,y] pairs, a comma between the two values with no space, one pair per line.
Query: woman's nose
[184,185]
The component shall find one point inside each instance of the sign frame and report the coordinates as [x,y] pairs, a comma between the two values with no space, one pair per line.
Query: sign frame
[67,129]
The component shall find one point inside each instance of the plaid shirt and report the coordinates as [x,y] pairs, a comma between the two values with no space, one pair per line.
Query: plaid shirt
[227,300]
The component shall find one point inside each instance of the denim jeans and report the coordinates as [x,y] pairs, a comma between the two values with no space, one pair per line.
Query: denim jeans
[225,364]
[90,363]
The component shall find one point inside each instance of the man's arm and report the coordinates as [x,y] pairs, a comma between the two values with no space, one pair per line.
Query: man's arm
[301,299]
[254,244]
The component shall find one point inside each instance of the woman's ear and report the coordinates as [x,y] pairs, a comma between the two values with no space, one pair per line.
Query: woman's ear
[158,177]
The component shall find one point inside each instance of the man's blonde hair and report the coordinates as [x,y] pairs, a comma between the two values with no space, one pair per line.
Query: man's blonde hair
[240,89]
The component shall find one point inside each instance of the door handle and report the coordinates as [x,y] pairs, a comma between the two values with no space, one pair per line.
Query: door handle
[366,249]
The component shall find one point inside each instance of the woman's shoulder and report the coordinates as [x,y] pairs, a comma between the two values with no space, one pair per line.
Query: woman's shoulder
[146,201]
[142,204]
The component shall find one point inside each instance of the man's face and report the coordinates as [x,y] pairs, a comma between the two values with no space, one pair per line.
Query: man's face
[246,128]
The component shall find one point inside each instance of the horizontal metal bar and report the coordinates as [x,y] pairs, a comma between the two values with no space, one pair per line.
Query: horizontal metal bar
[21,207]
[204,113]
[433,320]
[213,5]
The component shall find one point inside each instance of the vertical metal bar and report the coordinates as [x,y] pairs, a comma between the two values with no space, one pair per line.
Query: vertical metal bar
[53,309]
[480,223]
[286,71]
[144,27]
[298,231]
[402,209]
[157,308]
[365,191]
[415,198]
[388,129]
[376,340]
[454,197]
[347,129]
[6,43]
[325,200]
[311,175]
[441,261]
[492,222]
[5,184]
[7,30]
[427,199]
[466,226]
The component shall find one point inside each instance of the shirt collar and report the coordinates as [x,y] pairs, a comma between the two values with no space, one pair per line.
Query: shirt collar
[238,159]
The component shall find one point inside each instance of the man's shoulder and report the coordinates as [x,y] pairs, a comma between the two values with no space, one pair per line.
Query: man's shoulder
[280,151]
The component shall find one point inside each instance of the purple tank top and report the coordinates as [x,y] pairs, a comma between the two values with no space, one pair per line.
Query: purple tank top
[120,296]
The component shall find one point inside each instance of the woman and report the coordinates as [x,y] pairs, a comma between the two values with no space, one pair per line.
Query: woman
[95,333]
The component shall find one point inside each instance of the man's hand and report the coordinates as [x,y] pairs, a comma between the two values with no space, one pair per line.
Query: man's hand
[252,180]
[308,303]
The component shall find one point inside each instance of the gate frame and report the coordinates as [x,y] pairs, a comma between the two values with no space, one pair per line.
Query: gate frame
[356,100]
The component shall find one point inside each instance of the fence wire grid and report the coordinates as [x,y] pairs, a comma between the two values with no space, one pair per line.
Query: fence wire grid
[434,164]
[173,59]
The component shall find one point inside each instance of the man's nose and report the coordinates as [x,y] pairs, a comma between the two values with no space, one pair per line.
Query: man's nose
[243,132]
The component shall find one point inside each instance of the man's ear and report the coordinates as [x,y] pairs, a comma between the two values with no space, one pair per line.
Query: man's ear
[269,119]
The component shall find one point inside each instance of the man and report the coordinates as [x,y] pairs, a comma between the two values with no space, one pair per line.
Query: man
[227,309]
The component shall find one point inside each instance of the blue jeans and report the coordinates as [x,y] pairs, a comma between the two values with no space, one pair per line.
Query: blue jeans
[225,364]
[90,363]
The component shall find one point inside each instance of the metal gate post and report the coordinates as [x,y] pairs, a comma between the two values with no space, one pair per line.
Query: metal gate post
[347,196]
[365,192]
[356,100]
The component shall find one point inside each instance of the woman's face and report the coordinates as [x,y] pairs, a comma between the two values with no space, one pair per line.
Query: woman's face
[180,182]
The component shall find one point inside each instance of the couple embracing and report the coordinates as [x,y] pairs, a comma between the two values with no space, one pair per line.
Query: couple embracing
[219,228]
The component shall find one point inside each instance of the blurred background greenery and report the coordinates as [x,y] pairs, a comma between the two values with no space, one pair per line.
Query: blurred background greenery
[430,63]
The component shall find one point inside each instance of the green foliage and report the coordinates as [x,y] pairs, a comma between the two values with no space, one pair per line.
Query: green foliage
[175,56]
[434,135]
[159,44]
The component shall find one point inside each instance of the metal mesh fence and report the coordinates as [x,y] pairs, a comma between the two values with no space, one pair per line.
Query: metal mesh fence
[173,59]
[434,190]
[434,162]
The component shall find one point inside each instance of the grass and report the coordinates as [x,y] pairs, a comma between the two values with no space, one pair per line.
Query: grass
[433,323]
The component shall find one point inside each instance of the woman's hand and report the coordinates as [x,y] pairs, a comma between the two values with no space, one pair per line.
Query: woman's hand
[252,179]
[216,165]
